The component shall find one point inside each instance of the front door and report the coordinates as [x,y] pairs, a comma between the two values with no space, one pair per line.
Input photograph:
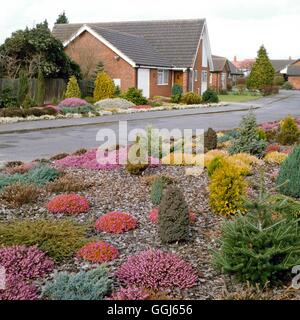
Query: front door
[144,81]
[178,78]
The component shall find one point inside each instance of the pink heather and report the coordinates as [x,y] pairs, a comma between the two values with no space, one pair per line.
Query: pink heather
[99,160]
[23,265]
[157,270]
[72,103]
[130,293]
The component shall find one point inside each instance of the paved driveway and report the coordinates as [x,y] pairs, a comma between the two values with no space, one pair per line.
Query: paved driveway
[41,144]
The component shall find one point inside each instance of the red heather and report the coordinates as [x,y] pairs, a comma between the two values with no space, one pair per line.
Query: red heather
[131,293]
[23,265]
[155,269]
[116,222]
[98,252]
[68,204]
[153,216]
[273,148]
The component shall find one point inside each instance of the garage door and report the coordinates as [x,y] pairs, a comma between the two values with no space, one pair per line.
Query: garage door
[144,81]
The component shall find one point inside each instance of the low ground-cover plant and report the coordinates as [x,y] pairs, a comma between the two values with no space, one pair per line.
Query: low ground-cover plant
[289,174]
[68,204]
[259,247]
[155,269]
[67,183]
[191,98]
[275,157]
[23,265]
[173,216]
[98,252]
[116,222]
[130,293]
[38,175]
[19,194]
[136,169]
[59,239]
[91,285]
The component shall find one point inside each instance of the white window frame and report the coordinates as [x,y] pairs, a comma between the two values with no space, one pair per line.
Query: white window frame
[162,77]
[204,76]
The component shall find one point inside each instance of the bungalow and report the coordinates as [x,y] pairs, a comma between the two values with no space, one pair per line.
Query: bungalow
[224,74]
[290,69]
[149,55]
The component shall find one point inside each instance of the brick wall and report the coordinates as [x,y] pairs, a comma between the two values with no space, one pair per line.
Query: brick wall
[295,81]
[160,90]
[88,51]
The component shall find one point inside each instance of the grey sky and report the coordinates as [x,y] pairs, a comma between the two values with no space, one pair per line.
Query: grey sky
[235,27]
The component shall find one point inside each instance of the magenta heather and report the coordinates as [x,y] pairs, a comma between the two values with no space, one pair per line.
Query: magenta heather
[72,103]
[23,265]
[155,269]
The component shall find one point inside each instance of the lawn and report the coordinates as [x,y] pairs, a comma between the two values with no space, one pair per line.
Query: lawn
[237,98]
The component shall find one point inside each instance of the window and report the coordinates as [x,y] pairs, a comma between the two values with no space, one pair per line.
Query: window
[162,77]
[196,75]
[117,82]
[204,76]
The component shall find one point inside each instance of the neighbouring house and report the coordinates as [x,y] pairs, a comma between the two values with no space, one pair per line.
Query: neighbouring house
[290,69]
[149,55]
[224,74]
[244,66]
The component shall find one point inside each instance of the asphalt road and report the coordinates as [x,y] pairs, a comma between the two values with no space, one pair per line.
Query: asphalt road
[29,146]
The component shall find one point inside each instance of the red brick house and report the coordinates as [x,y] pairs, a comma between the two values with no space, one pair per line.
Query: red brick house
[224,74]
[149,55]
[290,69]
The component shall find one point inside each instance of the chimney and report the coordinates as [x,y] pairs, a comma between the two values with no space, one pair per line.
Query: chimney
[235,59]
[290,58]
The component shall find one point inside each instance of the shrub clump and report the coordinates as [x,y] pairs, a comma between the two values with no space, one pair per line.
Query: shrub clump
[98,252]
[259,247]
[173,216]
[23,265]
[135,96]
[155,269]
[153,216]
[289,175]
[38,175]
[247,139]
[68,204]
[210,96]
[71,103]
[87,286]
[275,157]
[210,140]
[227,189]
[288,132]
[191,98]
[73,90]
[67,183]
[157,188]
[59,239]
[136,169]
[19,194]
[177,92]
[116,222]
[104,87]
